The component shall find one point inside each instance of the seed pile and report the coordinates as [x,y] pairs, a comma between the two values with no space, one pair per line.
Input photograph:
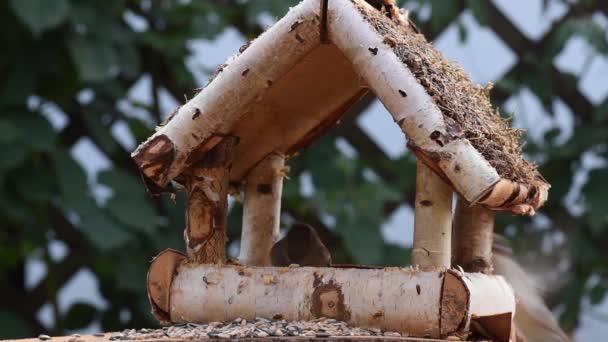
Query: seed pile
[260,327]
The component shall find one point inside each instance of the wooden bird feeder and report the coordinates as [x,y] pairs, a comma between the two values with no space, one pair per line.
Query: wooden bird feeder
[287,88]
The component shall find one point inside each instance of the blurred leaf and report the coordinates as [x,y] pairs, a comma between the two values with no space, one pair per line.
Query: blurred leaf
[131,273]
[79,316]
[11,156]
[95,59]
[462,31]
[41,15]
[396,256]
[100,229]
[13,326]
[137,213]
[34,130]
[442,13]
[595,194]
[478,7]
[129,204]
[13,209]
[8,131]
[71,179]
[584,27]
[35,185]
[597,293]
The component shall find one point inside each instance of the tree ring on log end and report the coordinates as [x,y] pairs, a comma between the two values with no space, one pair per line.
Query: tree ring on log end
[155,157]
[160,278]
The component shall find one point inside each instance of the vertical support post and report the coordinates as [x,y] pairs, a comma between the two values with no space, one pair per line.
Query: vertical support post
[262,210]
[432,221]
[473,237]
[207,186]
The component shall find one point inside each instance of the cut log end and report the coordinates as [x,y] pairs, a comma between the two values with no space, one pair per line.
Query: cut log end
[454,305]
[154,158]
[520,199]
[160,278]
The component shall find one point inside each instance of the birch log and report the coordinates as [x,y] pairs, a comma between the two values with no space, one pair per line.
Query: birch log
[415,112]
[423,304]
[432,221]
[473,236]
[262,210]
[186,138]
[207,186]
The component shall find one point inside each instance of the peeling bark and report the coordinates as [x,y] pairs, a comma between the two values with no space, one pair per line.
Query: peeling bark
[207,185]
[262,210]
[473,236]
[432,221]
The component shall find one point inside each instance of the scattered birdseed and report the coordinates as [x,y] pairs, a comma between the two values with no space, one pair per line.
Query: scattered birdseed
[259,327]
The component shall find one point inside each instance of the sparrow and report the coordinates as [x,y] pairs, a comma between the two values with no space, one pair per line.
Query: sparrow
[532,317]
[301,246]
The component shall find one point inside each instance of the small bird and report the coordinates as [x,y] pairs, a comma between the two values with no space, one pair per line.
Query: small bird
[301,246]
[532,317]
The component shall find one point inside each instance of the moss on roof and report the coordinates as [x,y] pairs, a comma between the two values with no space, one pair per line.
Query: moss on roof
[466,107]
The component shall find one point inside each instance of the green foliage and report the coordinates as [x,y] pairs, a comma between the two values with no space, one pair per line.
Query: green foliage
[41,15]
[56,49]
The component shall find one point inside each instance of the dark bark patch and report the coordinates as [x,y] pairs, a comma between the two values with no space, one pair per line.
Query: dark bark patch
[277,317]
[294,26]
[418,289]
[244,47]
[245,72]
[374,50]
[511,198]
[153,189]
[477,265]
[198,152]
[264,189]
[269,82]
[328,301]
[197,113]
[426,203]
[435,136]
[457,168]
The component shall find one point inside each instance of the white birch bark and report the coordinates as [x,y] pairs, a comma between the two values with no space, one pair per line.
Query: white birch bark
[432,248]
[473,236]
[262,210]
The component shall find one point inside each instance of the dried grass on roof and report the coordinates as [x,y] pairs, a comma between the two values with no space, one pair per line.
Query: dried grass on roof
[458,98]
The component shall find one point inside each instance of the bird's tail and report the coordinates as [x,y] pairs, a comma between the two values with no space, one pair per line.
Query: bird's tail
[532,317]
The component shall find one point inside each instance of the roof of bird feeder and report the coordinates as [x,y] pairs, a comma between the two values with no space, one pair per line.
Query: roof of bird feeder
[298,78]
